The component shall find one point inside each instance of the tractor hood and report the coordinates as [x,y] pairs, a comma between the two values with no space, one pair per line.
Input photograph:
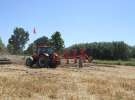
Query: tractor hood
[46,54]
[55,54]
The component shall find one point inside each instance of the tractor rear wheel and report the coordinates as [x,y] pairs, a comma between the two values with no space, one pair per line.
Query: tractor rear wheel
[43,61]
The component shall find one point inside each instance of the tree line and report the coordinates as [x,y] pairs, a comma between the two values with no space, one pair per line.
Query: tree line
[117,50]
[98,50]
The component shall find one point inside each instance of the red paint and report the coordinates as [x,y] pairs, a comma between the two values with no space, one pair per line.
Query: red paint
[66,56]
[74,55]
[82,54]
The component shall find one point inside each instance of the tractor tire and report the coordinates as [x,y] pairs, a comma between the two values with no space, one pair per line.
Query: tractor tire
[43,61]
[29,62]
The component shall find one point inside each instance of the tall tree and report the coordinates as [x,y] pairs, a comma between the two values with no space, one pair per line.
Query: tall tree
[133,52]
[42,40]
[57,41]
[17,41]
[1,44]
[32,47]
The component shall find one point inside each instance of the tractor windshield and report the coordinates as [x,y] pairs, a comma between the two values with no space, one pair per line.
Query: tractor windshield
[45,50]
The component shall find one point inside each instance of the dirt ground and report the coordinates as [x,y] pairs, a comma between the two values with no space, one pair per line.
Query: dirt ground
[67,82]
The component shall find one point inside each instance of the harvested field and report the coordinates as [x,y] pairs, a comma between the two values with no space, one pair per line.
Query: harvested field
[67,82]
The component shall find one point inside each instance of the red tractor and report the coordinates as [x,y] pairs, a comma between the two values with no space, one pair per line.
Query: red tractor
[44,56]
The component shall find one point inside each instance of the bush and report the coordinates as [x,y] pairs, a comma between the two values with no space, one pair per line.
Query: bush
[1,45]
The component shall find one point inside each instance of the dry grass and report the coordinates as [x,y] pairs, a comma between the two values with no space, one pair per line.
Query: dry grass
[89,83]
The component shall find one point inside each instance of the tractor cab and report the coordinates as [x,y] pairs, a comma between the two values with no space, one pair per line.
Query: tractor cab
[44,49]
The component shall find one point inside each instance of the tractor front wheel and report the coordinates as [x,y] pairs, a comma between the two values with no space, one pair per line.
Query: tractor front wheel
[29,62]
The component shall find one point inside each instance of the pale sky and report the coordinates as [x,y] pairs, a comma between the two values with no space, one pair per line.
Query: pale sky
[79,21]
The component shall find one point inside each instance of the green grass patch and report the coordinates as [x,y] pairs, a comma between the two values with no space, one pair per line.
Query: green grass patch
[130,62]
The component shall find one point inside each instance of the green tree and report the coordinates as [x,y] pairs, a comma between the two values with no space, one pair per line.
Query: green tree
[57,41]
[32,47]
[120,50]
[42,40]
[1,44]
[17,41]
[10,48]
[133,52]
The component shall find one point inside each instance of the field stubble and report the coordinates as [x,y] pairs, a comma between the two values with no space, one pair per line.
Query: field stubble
[92,82]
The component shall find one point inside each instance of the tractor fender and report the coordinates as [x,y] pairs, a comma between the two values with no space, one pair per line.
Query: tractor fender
[31,58]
